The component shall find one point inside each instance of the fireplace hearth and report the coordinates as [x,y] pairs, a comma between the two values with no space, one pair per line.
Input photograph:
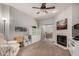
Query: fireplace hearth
[62,40]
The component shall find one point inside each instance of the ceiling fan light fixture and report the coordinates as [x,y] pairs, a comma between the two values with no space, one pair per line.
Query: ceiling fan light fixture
[38,12]
[44,9]
[54,11]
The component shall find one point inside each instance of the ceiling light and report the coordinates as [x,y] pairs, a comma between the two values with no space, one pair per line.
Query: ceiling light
[44,8]
[54,11]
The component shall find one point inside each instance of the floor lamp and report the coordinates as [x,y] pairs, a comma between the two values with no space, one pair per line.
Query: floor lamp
[4,20]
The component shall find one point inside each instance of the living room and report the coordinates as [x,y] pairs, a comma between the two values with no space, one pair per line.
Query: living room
[27,26]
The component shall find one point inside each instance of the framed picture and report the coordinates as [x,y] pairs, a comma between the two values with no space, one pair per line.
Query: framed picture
[20,29]
[62,25]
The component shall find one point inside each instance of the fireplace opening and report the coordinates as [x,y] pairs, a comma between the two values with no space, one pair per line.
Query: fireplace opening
[62,40]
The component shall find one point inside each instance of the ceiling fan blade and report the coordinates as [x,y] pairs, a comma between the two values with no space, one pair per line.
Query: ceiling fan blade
[50,7]
[36,7]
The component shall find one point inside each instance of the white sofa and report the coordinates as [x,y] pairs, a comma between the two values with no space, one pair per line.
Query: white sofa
[8,48]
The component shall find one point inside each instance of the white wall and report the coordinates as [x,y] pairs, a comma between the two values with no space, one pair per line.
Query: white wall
[1,22]
[19,18]
[75,14]
[67,13]
[4,13]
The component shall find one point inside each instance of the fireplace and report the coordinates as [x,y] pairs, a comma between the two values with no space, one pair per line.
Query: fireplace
[62,40]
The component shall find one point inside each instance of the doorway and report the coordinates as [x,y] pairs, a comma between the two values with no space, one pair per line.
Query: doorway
[47,32]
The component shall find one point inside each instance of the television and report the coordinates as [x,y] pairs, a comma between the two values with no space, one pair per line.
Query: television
[76,26]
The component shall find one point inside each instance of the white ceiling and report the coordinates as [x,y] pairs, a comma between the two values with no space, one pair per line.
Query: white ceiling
[27,8]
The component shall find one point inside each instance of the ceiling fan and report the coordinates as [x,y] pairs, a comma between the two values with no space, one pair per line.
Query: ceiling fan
[44,8]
